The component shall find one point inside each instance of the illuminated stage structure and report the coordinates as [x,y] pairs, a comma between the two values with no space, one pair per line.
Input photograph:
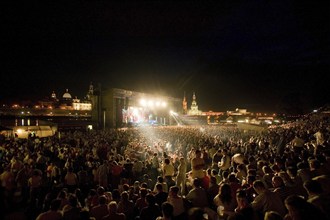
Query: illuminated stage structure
[116,108]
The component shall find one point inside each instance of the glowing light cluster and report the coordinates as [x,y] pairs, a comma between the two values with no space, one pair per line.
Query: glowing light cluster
[153,103]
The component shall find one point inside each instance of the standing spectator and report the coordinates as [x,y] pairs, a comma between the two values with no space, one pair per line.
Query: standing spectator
[213,190]
[197,165]
[160,195]
[137,169]
[103,171]
[72,210]
[113,213]
[216,159]
[167,211]
[154,166]
[182,176]
[116,171]
[177,202]
[71,180]
[225,162]
[34,183]
[168,172]
[126,206]
[160,180]
[141,201]
[101,210]
[197,195]
[152,211]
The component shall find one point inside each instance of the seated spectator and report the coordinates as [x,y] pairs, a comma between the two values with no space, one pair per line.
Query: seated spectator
[271,215]
[244,209]
[299,208]
[267,200]
[317,197]
[281,189]
[224,201]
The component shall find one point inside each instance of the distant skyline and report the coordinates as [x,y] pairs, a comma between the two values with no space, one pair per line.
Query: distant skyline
[259,55]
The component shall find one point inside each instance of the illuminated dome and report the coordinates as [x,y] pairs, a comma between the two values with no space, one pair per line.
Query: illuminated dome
[67,95]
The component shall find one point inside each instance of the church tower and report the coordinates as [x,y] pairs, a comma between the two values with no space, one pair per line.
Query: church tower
[90,91]
[184,104]
[54,95]
[194,107]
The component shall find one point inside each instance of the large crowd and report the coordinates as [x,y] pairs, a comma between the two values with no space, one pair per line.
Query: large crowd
[183,172]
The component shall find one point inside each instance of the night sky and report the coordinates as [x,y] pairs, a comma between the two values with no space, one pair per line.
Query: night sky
[259,55]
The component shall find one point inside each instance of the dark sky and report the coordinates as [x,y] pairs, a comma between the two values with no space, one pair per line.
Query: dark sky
[246,54]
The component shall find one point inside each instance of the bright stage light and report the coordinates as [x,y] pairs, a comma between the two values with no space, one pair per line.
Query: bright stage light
[173,113]
[143,102]
[150,103]
[135,111]
[164,104]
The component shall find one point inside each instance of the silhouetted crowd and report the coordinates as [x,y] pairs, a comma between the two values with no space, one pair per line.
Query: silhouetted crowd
[182,172]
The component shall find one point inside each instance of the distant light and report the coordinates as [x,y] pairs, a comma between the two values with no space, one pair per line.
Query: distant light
[19,131]
[268,122]
[90,127]
[240,121]
[315,110]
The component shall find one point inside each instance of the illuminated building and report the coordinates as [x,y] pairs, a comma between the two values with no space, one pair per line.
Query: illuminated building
[194,107]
